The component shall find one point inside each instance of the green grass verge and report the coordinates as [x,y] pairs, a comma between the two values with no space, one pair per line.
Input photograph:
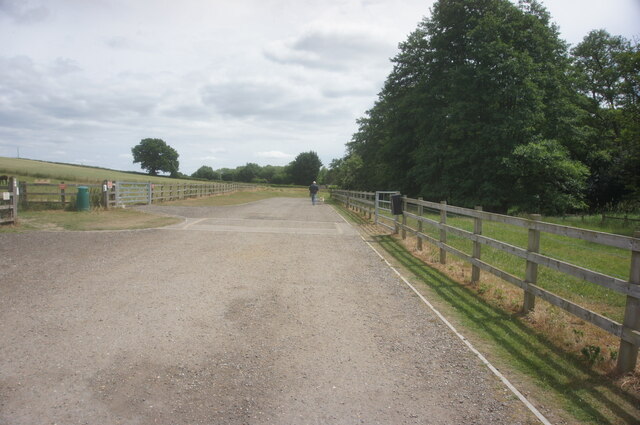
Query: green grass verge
[604,259]
[552,375]
[595,222]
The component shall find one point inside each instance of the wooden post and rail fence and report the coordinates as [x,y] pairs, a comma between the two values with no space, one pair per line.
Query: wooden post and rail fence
[110,194]
[379,204]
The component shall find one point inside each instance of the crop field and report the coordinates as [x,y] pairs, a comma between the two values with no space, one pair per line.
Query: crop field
[30,170]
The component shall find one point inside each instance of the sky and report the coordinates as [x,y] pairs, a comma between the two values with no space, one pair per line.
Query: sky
[222,82]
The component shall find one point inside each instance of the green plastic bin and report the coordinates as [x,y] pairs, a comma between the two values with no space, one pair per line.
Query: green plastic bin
[82,199]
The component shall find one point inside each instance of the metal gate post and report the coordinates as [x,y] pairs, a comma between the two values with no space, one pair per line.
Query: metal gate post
[13,184]
[117,184]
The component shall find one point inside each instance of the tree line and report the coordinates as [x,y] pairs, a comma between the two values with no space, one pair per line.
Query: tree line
[155,155]
[486,105]
[304,169]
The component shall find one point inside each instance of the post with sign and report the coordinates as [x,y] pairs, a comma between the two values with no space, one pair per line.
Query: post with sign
[105,194]
[107,188]
[63,197]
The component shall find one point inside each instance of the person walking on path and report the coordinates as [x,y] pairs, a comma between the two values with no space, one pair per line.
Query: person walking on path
[313,191]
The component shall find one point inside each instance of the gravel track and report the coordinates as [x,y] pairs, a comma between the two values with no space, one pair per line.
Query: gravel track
[274,312]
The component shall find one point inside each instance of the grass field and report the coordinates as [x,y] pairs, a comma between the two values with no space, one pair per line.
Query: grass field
[30,170]
[604,259]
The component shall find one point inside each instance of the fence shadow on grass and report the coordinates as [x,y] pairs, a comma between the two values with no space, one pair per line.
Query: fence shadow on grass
[586,394]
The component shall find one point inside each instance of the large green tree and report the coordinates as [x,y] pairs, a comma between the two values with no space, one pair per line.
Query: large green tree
[474,88]
[304,168]
[248,172]
[155,155]
[608,76]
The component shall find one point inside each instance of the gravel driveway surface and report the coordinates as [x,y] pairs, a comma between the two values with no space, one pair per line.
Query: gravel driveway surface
[274,312]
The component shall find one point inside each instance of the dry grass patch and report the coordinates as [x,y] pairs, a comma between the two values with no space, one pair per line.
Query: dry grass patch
[593,345]
[115,219]
[243,197]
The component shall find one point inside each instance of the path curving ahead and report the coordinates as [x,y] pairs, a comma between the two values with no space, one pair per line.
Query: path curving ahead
[274,312]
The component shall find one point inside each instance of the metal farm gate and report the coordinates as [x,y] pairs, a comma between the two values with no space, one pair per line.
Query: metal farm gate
[123,193]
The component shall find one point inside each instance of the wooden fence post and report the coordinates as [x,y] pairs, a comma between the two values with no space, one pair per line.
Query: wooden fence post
[628,354]
[531,273]
[23,194]
[404,217]
[63,197]
[443,232]
[105,194]
[420,212]
[477,253]
[376,207]
[396,224]
[13,186]
[150,192]
[371,208]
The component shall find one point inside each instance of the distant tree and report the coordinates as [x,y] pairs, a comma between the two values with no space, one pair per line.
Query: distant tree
[227,174]
[268,171]
[155,155]
[247,173]
[322,175]
[206,172]
[305,168]
[281,176]
[346,172]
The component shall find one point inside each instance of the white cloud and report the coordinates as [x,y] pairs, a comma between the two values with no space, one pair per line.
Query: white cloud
[274,155]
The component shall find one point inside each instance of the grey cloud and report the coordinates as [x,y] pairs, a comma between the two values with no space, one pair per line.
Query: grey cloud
[22,12]
[189,111]
[125,43]
[348,92]
[243,99]
[332,50]
[62,66]
[269,101]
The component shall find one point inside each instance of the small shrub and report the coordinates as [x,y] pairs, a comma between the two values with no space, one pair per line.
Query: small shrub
[592,354]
